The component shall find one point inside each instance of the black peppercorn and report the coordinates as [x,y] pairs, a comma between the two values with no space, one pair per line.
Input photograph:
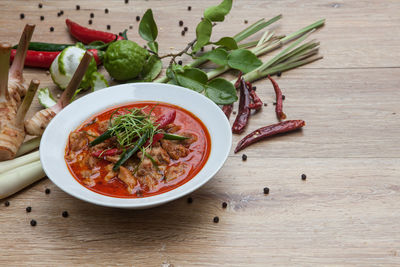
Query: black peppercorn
[216,219]
[224,205]
[33,223]
[91,15]
[185,29]
[22,16]
[41,17]
[28,209]
[266,190]
[47,191]
[189,8]
[65,214]
[202,49]
[279,74]
[234,113]
[180,62]
[7,203]
[61,12]
[126,1]
[246,21]
[254,88]
[190,200]
[108,27]
[58,14]
[180,23]
[265,104]
[303,177]
[90,22]
[283,97]
[52,29]
[106,10]
[130,27]
[244,157]
[274,103]
[78,7]
[137,18]
[40,5]
[183,33]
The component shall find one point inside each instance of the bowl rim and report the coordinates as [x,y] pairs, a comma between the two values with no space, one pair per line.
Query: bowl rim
[151,201]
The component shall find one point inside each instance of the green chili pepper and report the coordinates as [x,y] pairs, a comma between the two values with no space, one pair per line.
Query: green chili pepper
[106,135]
[168,136]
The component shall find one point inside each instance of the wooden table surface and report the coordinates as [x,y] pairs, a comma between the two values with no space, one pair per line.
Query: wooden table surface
[346,213]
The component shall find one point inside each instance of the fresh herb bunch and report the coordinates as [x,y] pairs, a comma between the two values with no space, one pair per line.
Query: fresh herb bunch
[131,126]
[228,54]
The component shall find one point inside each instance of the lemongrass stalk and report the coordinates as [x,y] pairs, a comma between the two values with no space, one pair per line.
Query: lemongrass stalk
[19,178]
[302,31]
[26,103]
[265,38]
[18,162]
[282,53]
[248,45]
[28,146]
[305,47]
[257,74]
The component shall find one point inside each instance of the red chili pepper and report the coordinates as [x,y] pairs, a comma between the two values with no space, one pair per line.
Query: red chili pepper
[278,93]
[267,131]
[237,83]
[86,35]
[244,110]
[227,109]
[157,137]
[43,59]
[166,119]
[107,152]
[257,103]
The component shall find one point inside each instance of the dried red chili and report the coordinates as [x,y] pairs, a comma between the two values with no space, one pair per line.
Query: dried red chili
[227,109]
[267,131]
[243,115]
[237,83]
[257,103]
[278,93]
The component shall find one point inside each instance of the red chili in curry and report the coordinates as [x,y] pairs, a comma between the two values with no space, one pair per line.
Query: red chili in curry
[163,164]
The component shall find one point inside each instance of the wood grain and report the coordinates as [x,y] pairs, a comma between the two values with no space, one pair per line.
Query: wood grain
[345,214]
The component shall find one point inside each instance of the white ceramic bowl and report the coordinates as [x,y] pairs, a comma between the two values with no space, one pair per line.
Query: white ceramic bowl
[52,145]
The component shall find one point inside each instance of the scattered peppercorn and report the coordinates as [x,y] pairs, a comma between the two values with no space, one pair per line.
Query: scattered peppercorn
[274,103]
[216,219]
[279,74]
[145,46]
[108,27]
[40,5]
[47,191]
[183,33]
[265,104]
[254,88]
[137,18]
[180,62]
[303,177]
[266,190]
[224,205]
[246,21]
[213,48]
[52,29]
[283,97]
[189,8]
[91,15]
[41,17]
[58,14]
[7,203]
[234,113]
[180,23]
[126,1]
[106,10]
[90,22]
[28,209]
[62,12]
[78,7]
[185,29]
[190,200]
[33,223]
[65,214]
[22,16]
[202,49]
[244,157]
[130,27]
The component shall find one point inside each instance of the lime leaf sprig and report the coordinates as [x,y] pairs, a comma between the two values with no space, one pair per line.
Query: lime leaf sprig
[148,30]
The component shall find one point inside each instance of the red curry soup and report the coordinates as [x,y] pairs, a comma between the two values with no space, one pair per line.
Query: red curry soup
[138,150]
